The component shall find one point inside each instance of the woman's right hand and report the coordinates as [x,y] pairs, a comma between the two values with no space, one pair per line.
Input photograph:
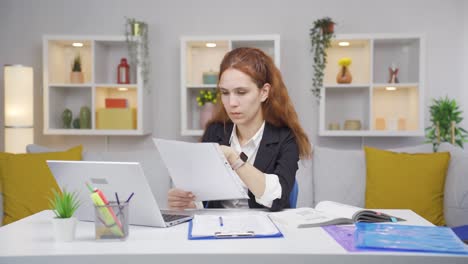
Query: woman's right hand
[179,199]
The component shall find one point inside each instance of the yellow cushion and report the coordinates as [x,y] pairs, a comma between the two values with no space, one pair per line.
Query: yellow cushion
[407,181]
[27,181]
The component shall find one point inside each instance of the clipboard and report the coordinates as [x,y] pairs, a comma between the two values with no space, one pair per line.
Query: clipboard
[203,227]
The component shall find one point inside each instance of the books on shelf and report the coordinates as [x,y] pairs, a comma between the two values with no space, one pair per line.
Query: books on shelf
[330,213]
[116,103]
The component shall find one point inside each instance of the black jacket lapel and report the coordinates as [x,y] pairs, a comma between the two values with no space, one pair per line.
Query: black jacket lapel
[267,150]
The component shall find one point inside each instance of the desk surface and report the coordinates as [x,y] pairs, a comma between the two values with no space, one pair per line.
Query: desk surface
[30,240]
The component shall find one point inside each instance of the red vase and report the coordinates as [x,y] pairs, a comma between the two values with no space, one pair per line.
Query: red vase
[123,72]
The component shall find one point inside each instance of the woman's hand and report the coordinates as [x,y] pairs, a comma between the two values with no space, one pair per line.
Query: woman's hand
[178,199]
[230,154]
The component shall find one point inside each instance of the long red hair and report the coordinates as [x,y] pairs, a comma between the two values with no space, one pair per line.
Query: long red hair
[277,109]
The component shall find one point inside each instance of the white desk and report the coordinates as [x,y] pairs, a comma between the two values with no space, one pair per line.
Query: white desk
[30,240]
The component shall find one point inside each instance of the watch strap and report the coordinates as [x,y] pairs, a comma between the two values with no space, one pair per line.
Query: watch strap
[241,160]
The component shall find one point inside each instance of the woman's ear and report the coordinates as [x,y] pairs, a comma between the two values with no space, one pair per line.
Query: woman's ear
[264,92]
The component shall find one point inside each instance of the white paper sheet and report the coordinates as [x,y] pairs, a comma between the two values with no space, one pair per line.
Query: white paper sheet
[200,168]
[209,225]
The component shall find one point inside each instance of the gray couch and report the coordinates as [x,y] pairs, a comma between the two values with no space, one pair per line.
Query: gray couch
[337,175]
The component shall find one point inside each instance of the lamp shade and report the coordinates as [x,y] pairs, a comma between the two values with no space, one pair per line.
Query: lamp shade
[19,106]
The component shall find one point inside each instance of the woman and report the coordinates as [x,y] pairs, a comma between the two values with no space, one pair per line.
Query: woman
[258,130]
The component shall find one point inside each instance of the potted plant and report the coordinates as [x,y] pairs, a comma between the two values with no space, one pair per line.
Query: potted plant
[76,76]
[320,37]
[344,75]
[64,204]
[136,35]
[445,119]
[207,100]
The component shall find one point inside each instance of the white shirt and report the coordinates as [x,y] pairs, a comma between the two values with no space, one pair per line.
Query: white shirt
[272,186]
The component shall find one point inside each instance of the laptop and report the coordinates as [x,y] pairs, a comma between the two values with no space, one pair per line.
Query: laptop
[123,178]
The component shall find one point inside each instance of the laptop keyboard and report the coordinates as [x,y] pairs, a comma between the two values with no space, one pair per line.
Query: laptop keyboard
[172,217]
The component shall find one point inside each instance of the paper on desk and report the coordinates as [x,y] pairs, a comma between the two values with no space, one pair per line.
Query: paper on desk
[208,225]
[202,169]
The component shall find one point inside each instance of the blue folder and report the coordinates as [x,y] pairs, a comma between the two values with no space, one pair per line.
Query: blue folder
[219,233]
[408,238]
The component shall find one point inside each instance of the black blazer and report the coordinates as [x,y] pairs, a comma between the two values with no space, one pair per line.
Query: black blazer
[278,154]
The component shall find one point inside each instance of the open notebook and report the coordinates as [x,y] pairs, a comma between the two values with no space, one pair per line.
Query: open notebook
[330,213]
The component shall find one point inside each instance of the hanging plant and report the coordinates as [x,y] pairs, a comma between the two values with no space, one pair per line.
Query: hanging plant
[445,119]
[136,35]
[320,37]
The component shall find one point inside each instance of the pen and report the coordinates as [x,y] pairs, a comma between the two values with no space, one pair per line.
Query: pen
[221,221]
[130,197]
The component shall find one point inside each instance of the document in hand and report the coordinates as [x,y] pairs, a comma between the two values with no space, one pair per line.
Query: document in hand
[232,226]
[330,213]
[202,169]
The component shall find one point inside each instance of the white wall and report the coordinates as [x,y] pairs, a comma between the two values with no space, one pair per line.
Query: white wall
[23,22]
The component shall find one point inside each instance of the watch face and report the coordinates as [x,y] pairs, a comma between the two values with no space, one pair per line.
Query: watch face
[243,157]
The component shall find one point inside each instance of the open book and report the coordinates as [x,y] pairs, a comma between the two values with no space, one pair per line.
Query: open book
[330,213]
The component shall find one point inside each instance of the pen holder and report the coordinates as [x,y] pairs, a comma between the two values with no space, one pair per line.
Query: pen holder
[111,221]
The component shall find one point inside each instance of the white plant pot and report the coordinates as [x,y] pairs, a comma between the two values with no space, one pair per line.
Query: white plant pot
[64,229]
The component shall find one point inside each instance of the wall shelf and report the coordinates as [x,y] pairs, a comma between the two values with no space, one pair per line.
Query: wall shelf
[196,59]
[100,56]
[382,108]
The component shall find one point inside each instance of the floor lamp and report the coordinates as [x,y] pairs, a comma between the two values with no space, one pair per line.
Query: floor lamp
[19,105]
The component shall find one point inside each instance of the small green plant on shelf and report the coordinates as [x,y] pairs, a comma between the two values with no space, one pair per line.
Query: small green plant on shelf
[64,204]
[207,96]
[446,117]
[320,36]
[76,64]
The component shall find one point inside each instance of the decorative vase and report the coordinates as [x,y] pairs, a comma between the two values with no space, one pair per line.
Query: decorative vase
[76,77]
[344,76]
[76,123]
[206,114]
[85,118]
[64,229]
[67,118]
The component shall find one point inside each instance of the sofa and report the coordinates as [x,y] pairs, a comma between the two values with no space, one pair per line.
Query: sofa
[332,174]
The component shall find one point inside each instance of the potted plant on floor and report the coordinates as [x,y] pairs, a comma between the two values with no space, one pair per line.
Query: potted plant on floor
[445,118]
[64,204]
[320,37]
[76,76]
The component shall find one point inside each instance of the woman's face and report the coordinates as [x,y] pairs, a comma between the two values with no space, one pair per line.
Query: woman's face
[241,97]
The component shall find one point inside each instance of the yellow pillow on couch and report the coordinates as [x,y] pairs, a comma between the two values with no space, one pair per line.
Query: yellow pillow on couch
[27,181]
[407,181]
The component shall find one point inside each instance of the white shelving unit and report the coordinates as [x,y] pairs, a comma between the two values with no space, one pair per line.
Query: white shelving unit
[196,58]
[100,56]
[382,108]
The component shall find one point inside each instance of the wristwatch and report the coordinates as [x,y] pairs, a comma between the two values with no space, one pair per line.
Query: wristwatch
[240,161]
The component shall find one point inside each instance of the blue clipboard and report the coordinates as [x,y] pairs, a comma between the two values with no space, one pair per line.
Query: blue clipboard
[231,235]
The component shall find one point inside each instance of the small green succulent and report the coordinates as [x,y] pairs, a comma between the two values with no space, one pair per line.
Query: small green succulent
[64,204]
[77,64]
